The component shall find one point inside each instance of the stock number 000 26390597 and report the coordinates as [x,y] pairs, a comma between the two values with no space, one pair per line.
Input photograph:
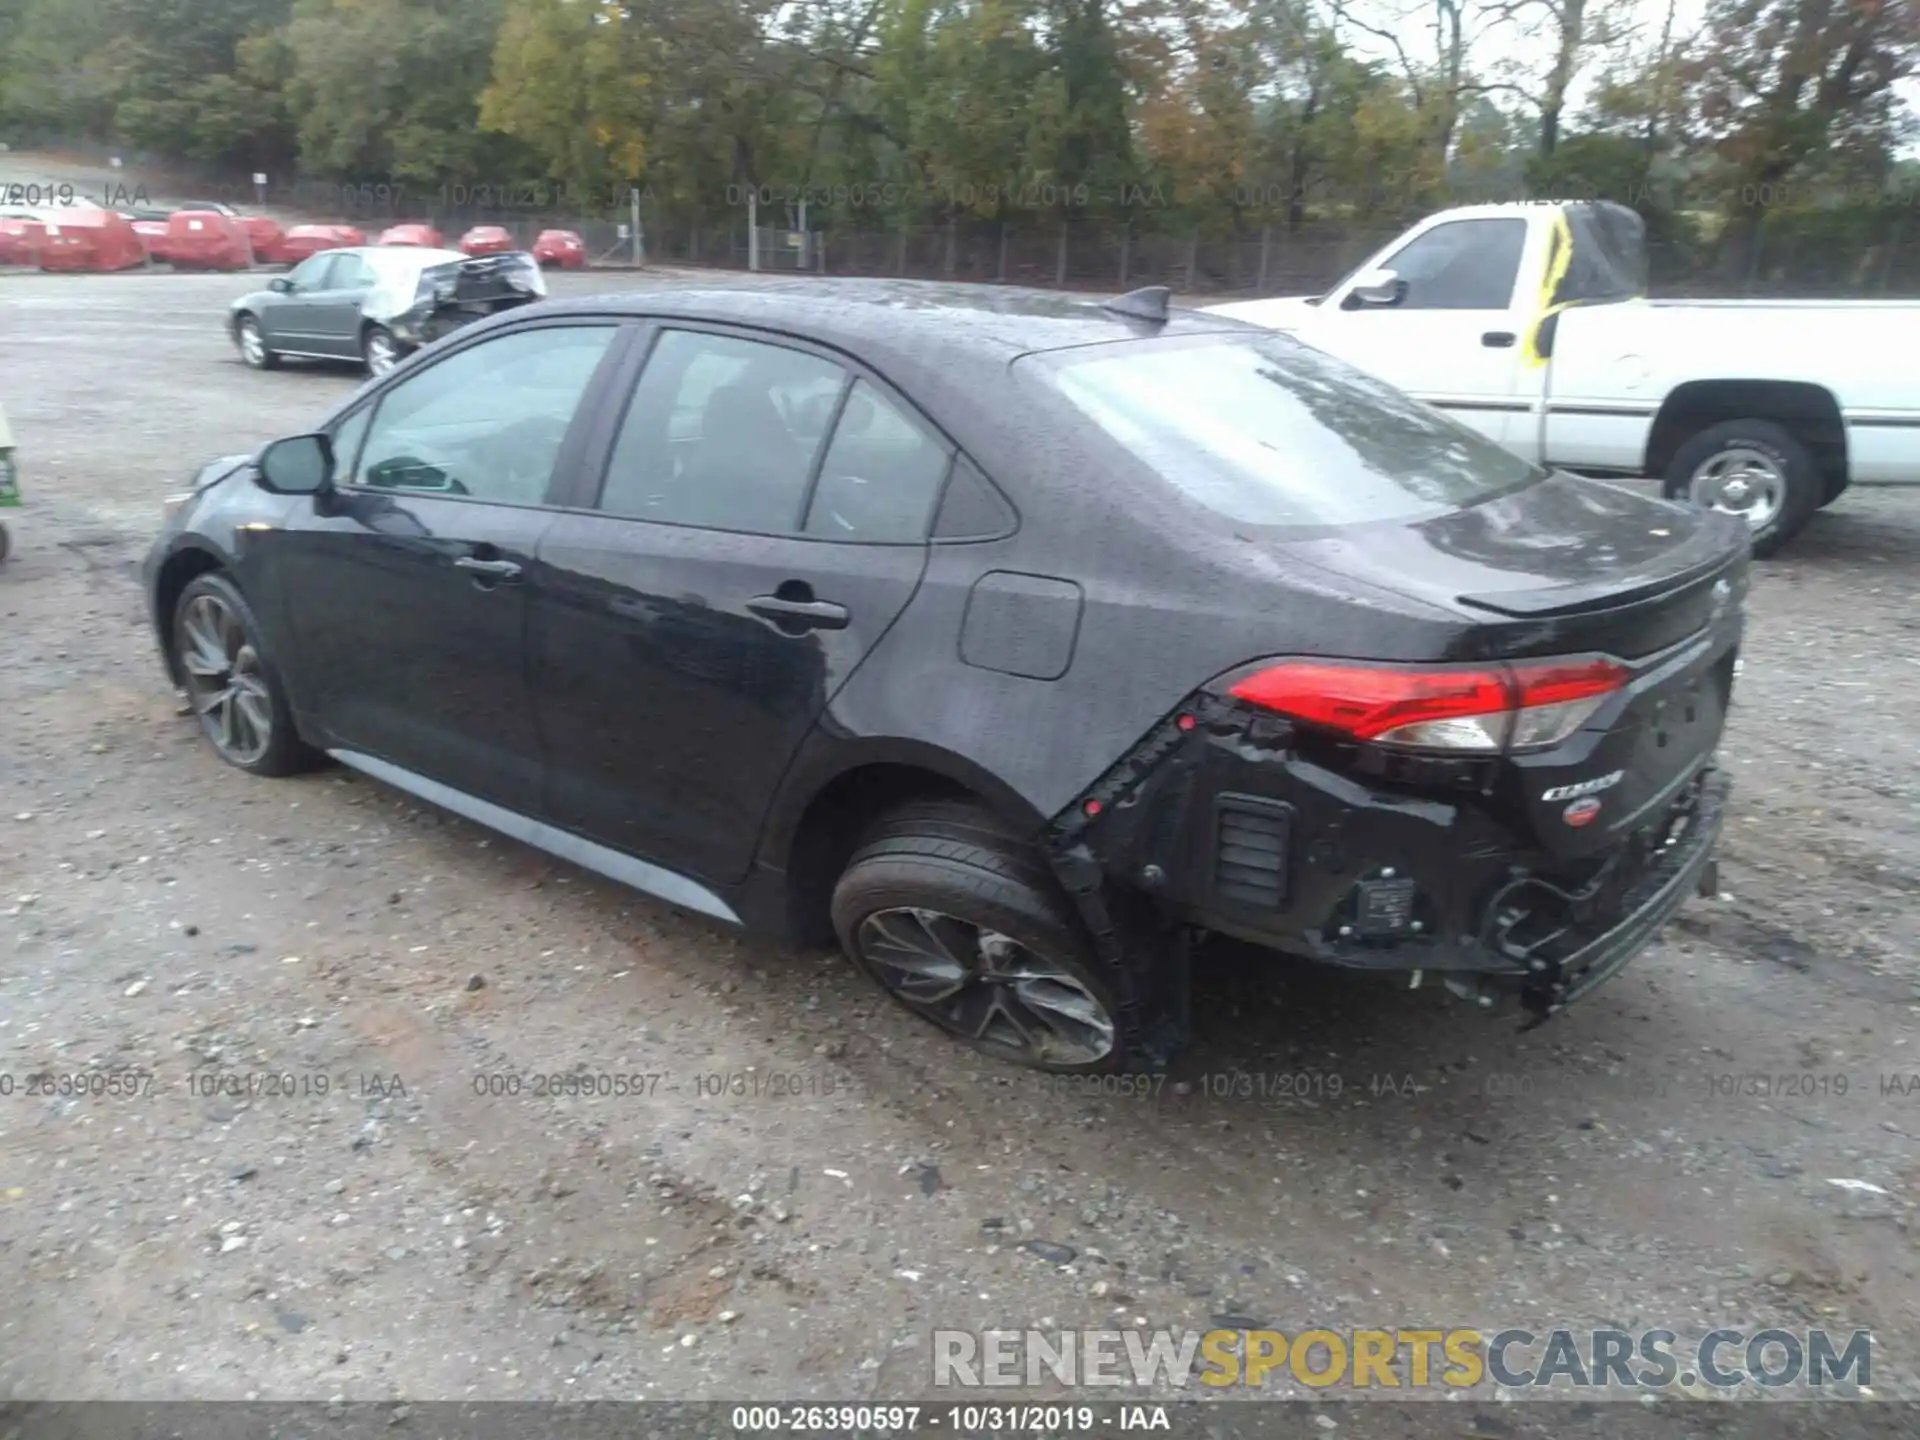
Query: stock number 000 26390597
[960,1419]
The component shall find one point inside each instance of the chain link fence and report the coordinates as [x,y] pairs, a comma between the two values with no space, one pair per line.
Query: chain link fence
[1788,258]
[1271,260]
[1808,254]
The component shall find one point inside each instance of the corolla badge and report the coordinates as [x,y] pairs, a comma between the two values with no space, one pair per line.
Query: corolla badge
[1583,787]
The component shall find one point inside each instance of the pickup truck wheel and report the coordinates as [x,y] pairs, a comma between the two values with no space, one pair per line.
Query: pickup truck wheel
[1754,469]
[961,924]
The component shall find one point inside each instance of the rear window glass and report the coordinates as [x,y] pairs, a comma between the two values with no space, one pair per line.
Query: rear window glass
[1268,431]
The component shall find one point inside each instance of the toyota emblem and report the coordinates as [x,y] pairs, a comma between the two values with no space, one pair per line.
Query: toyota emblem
[1581,812]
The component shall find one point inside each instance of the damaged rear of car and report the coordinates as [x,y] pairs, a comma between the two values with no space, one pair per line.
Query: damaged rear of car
[376,304]
[420,307]
[1509,785]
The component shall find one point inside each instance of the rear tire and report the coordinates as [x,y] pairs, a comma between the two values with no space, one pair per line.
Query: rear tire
[379,350]
[1751,468]
[254,350]
[962,923]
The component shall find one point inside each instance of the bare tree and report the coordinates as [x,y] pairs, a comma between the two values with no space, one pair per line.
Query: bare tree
[1437,84]
[1571,32]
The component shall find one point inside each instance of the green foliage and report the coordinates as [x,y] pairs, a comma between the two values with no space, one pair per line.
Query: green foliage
[53,77]
[1207,116]
[570,81]
[389,89]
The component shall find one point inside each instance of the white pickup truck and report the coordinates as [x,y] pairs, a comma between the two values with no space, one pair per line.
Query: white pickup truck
[1530,323]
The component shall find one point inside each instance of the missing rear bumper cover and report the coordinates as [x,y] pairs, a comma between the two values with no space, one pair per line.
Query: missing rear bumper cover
[1221,821]
[1662,869]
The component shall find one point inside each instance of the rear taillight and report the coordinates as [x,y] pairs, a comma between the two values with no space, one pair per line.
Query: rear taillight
[1485,709]
[1556,697]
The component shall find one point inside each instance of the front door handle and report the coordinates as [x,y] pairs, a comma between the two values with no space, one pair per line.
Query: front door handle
[800,614]
[493,569]
[1498,339]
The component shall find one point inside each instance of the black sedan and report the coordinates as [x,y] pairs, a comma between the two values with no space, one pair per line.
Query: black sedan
[376,304]
[1012,640]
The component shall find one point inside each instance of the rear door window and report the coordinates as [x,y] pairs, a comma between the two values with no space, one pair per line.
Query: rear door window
[722,433]
[1267,431]
[881,476]
[350,272]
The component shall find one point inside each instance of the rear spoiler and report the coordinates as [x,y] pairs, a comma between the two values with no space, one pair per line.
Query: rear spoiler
[1708,553]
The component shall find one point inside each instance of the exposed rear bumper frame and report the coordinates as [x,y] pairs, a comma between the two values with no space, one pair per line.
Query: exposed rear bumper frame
[1682,868]
[1129,851]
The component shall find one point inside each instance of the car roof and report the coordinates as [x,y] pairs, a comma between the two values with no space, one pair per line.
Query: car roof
[872,318]
[404,256]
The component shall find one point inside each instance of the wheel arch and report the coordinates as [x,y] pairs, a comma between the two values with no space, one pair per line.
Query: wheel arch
[1809,412]
[179,570]
[820,818]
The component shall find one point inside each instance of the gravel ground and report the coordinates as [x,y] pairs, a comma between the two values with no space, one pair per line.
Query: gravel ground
[408,1234]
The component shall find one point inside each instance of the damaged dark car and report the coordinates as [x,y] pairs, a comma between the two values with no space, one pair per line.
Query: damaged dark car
[1015,642]
[376,304]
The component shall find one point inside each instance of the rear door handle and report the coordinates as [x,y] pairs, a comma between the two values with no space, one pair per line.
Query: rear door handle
[1498,339]
[800,614]
[497,569]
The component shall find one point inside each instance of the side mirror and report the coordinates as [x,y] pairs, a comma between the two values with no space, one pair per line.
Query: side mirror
[282,284]
[297,465]
[1376,289]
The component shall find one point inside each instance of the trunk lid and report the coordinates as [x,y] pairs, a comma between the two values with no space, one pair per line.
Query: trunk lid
[1560,566]
[1572,567]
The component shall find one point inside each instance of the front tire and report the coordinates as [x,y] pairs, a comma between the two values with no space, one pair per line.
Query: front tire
[254,350]
[232,686]
[1754,469]
[962,924]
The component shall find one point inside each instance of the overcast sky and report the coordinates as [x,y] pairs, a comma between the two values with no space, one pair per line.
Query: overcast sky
[1530,45]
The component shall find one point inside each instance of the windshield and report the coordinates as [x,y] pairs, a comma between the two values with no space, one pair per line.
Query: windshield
[1268,431]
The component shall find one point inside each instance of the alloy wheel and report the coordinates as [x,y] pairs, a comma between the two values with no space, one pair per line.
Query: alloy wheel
[1741,481]
[382,353]
[986,986]
[253,349]
[225,683]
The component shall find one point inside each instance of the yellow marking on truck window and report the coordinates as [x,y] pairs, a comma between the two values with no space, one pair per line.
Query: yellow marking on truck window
[1561,256]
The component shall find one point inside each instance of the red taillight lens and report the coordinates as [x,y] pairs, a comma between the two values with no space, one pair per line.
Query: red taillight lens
[1552,682]
[1368,701]
[1481,709]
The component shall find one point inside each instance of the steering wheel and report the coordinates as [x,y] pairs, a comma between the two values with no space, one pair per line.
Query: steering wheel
[424,472]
